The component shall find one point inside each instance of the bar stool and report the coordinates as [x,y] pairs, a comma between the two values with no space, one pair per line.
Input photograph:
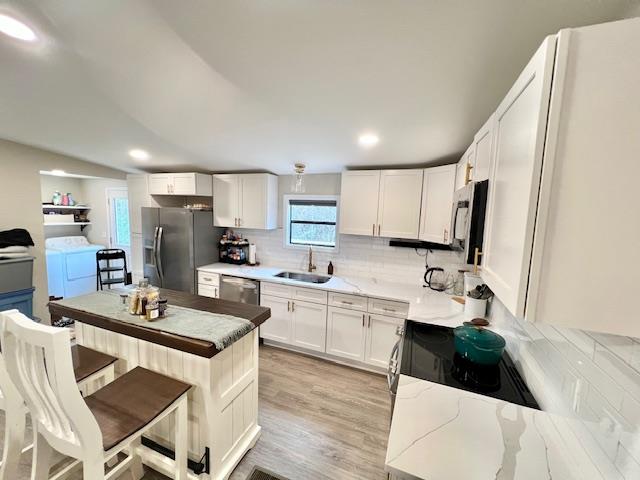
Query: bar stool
[90,368]
[95,429]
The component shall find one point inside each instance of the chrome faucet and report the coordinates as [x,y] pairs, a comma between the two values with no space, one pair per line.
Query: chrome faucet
[311,267]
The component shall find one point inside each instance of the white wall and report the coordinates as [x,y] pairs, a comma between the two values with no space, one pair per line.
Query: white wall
[592,378]
[21,199]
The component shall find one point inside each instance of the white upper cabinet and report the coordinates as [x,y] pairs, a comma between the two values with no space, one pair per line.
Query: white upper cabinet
[359,202]
[520,124]
[247,200]
[226,200]
[437,201]
[482,150]
[192,184]
[381,203]
[465,164]
[399,203]
[586,251]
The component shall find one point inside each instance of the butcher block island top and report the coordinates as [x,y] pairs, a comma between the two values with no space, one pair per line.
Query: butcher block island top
[79,310]
[223,400]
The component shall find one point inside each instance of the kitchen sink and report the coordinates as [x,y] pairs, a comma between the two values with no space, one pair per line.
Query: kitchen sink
[304,277]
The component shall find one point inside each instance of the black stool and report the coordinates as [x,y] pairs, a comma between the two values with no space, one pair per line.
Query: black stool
[109,256]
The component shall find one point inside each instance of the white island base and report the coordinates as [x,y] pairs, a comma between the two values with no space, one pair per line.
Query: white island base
[223,403]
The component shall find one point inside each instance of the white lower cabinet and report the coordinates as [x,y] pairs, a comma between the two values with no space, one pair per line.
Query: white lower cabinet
[345,333]
[360,329]
[278,327]
[208,291]
[309,321]
[381,336]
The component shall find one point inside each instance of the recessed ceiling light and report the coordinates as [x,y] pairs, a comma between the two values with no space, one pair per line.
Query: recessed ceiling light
[368,140]
[139,154]
[16,29]
[58,173]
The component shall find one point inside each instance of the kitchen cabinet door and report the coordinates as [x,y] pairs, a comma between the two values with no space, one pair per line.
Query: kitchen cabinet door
[399,203]
[309,325]
[226,200]
[515,179]
[278,326]
[381,336]
[359,202]
[258,207]
[437,204]
[184,184]
[345,333]
[207,291]
[482,147]
[460,172]
[160,184]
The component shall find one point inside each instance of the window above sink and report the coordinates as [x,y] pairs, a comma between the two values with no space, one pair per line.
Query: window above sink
[311,221]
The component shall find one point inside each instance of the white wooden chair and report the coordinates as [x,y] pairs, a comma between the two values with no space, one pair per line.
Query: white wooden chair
[91,368]
[94,429]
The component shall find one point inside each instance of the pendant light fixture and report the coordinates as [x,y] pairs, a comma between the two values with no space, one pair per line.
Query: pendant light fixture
[298,178]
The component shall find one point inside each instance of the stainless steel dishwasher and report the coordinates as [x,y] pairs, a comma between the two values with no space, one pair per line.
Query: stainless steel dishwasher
[240,290]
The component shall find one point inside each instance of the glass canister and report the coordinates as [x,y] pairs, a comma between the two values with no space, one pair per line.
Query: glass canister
[152,307]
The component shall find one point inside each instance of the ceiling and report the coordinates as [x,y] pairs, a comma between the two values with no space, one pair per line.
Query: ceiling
[259,85]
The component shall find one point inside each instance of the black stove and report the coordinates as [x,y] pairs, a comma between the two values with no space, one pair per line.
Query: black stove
[427,352]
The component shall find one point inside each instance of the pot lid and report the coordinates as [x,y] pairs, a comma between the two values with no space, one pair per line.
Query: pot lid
[479,336]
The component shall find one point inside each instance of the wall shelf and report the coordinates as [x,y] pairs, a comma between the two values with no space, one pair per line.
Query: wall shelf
[64,207]
[68,224]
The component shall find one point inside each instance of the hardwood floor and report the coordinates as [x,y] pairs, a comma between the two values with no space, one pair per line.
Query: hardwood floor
[320,421]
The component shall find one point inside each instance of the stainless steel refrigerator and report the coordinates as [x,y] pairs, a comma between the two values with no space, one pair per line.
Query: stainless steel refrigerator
[175,242]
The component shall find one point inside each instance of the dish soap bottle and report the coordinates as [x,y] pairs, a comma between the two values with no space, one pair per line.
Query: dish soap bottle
[330,268]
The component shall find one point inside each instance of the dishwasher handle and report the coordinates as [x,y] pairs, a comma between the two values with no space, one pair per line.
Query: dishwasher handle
[240,283]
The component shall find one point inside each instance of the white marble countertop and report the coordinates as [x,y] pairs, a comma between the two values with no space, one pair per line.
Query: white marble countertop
[444,433]
[424,304]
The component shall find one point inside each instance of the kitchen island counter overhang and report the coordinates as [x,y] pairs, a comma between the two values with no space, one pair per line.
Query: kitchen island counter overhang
[223,405]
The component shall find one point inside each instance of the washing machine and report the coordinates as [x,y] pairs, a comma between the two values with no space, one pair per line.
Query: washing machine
[71,266]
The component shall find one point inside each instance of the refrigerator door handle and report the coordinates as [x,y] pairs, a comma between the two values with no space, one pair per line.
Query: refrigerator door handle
[159,254]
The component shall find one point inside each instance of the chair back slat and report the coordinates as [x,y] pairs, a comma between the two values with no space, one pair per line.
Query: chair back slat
[38,362]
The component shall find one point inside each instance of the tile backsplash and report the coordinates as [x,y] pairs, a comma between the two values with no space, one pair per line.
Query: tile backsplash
[357,256]
[593,379]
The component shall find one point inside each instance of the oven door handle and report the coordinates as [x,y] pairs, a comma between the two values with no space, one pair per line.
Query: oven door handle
[392,370]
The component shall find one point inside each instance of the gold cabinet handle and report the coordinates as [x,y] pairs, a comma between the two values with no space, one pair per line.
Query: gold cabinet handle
[363,319]
[293,306]
[373,229]
[369,322]
[288,306]
[379,228]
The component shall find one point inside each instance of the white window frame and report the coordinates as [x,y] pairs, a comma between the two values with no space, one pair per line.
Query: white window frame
[286,223]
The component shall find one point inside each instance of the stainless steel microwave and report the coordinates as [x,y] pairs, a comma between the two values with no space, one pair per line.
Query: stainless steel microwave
[469,209]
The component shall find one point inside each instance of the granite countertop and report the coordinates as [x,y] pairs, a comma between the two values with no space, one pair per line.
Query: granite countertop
[444,433]
[425,305]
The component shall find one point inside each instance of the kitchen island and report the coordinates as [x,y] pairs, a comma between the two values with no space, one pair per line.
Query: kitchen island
[223,405]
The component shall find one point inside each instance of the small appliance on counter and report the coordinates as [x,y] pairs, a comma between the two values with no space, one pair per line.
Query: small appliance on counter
[235,249]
